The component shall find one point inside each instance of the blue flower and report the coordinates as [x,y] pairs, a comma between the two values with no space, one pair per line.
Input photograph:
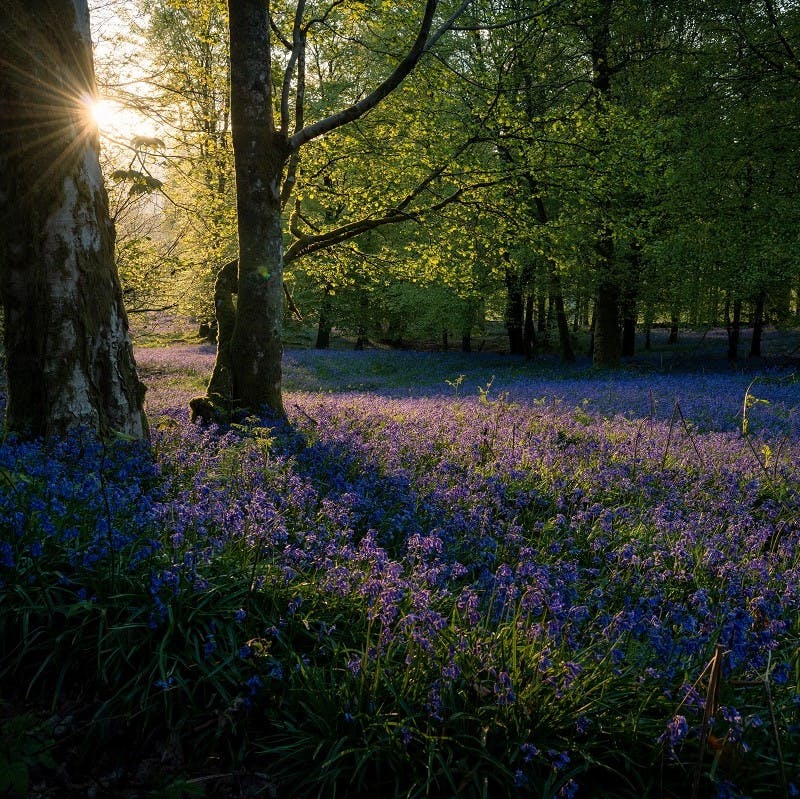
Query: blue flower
[559,760]
[569,789]
[781,673]
[529,751]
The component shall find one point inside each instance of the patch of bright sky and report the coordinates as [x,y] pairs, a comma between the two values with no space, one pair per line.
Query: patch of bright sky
[123,94]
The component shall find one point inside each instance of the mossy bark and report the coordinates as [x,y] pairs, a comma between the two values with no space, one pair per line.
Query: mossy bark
[260,156]
[68,351]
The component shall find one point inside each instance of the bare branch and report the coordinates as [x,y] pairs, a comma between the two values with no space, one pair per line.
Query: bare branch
[423,42]
[298,43]
[322,241]
[773,18]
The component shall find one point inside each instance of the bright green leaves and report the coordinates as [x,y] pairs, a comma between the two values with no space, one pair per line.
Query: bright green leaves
[140,183]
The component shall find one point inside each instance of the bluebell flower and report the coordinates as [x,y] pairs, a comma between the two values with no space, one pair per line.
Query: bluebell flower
[559,760]
[677,729]
[569,789]
[529,751]
[781,673]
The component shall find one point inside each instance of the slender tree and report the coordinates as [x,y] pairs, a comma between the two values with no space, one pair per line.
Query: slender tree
[68,352]
[267,138]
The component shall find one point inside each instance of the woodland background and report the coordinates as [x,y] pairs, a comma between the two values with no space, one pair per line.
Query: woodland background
[556,168]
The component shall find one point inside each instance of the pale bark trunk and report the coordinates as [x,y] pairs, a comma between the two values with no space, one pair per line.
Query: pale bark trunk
[68,351]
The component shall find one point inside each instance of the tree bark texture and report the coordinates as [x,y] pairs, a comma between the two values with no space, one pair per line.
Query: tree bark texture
[260,156]
[69,357]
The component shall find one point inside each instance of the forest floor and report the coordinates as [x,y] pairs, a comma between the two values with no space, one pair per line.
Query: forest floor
[176,366]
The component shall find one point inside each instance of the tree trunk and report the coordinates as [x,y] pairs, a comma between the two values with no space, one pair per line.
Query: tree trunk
[325,324]
[630,296]
[217,405]
[674,320]
[758,326]
[541,312]
[734,331]
[564,341]
[514,312]
[648,327]
[606,352]
[529,331]
[260,155]
[68,350]
[628,333]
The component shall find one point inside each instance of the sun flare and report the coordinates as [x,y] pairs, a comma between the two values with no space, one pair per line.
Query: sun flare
[103,113]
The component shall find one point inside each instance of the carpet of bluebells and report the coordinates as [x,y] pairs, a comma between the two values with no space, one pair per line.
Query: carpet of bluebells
[445,576]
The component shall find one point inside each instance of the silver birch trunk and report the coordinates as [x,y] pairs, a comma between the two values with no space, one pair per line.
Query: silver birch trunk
[69,358]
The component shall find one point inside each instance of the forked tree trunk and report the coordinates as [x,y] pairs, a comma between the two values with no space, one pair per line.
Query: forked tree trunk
[263,148]
[68,351]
